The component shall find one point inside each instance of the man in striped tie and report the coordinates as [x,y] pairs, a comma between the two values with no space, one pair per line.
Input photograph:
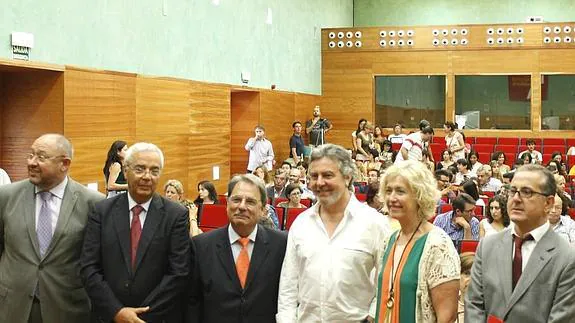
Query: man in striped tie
[136,255]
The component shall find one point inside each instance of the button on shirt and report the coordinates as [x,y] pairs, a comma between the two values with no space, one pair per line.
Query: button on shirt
[235,243]
[528,246]
[54,204]
[143,214]
[327,279]
[261,153]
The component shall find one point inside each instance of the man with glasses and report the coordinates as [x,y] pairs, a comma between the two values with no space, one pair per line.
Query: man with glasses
[136,257]
[237,268]
[460,224]
[42,221]
[527,273]
[278,189]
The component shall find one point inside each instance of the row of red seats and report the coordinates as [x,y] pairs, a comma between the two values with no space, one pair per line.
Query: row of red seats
[539,142]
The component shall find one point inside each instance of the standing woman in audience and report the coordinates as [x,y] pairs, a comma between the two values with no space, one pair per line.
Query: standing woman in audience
[473,159]
[174,190]
[496,218]
[114,176]
[500,158]
[454,141]
[360,125]
[206,195]
[418,280]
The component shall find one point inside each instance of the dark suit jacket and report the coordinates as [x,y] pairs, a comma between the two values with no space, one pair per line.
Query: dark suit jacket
[162,260]
[216,293]
[61,293]
[270,192]
[544,293]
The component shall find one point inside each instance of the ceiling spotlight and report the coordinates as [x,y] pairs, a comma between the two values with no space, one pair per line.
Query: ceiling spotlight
[435,32]
[520,30]
[509,31]
[557,40]
[547,40]
[391,33]
[500,31]
[382,33]
[445,32]
[566,29]
[490,41]
[463,31]
[464,41]
[331,35]
[331,44]
[435,42]
[444,42]
[349,44]
[454,42]
[349,34]
[358,43]
[520,40]
[400,43]
[358,34]
[500,41]
[546,29]
[340,44]
[392,43]
[382,43]
[490,31]
[454,31]
[509,40]
[410,33]
[567,39]
[400,33]
[410,42]
[556,29]
[340,35]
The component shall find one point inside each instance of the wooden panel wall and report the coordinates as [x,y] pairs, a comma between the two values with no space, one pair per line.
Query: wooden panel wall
[277,110]
[32,105]
[348,73]
[245,115]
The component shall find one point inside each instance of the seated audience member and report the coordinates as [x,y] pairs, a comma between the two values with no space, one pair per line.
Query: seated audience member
[518,163]
[507,177]
[387,155]
[500,159]
[206,195]
[459,223]
[373,176]
[486,182]
[360,124]
[397,137]
[561,224]
[262,172]
[302,166]
[471,187]
[294,178]
[452,169]
[466,259]
[426,160]
[372,197]
[442,177]
[463,171]
[536,157]
[527,159]
[360,174]
[446,160]
[552,167]
[495,171]
[270,218]
[4,178]
[496,218]
[473,161]
[174,191]
[565,197]
[286,167]
[558,159]
[278,189]
[379,138]
[293,193]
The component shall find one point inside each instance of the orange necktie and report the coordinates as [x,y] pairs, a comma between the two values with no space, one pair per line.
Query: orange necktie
[243,262]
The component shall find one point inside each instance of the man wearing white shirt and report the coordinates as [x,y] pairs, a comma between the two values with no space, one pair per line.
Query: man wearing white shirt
[4,178]
[332,249]
[486,181]
[261,150]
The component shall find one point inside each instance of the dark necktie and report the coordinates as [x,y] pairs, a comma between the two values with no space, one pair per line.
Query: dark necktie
[135,231]
[518,257]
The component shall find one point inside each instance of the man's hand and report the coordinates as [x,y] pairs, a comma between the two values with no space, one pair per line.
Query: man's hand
[130,314]
[459,220]
[370,319]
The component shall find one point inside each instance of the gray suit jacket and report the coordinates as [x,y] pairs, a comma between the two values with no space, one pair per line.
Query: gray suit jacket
[62,297]
[545,292]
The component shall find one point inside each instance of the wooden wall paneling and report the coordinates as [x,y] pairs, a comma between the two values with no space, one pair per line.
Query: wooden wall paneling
[100,104]
[245,115]
[556,61]
[33,105]
[209,136]
[408,63]
[450,97]
[277,111]
[163,118]
[494,62]
[536,102]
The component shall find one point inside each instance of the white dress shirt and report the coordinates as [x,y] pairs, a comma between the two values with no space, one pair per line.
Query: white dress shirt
[261,153]
[145,205]
[4,178]
[327,279]
[54,204]
[528,246]
[237,246]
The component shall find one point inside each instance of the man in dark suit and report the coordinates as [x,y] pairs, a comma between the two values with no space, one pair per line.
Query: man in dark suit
[278,190]
[42,221]
[525,274]
[237,268]
[136,257]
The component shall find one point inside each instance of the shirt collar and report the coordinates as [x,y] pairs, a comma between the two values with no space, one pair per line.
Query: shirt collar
[352,204]
[132,203]
[234,236]
[57,190]
[536,233]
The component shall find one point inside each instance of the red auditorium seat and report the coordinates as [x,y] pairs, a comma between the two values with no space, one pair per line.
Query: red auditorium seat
[281,218]
[570,142]
[306,202]
[470,140]
[554,141]
[279,200]
[508,141]
[489,195]
[483,148]
[214,216]
[507,149]
[546,158]
[222,199]
[571,161]
[469,246]
[361,197]
[395,147]
[571,213]
[537,142]
[486,141]
[445,208]
[551,149]
[292,214]
[479,212]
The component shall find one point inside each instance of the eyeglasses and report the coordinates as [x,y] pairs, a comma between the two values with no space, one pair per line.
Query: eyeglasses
[41,157]
[249,201]
[524,192]
[141,170]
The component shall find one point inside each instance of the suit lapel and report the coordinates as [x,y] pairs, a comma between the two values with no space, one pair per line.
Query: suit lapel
[504,268]
[121,216]
[30,215]
[259,255]
[224,251]
[539,258]
[68,201]
[154,216]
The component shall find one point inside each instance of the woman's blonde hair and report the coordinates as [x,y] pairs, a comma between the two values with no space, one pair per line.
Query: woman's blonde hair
[421,182]
[466,259]
[177,185]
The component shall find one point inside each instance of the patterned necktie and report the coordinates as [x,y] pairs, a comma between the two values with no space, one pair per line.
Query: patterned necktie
[135,232]
[518,258]
[243,262]
[44,227]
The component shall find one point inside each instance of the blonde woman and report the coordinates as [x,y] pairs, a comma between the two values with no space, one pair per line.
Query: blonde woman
[174,190]
[420,269]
